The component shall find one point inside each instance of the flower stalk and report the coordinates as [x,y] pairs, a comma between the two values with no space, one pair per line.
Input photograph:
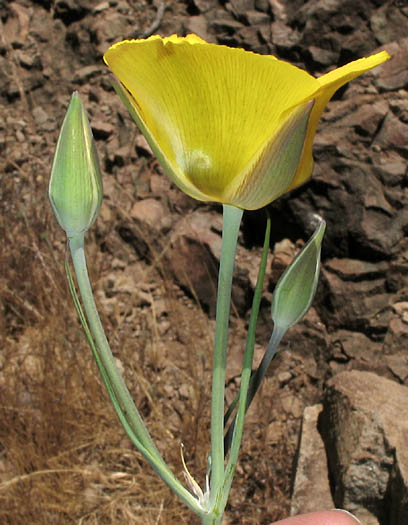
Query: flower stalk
[120,396]
[232,219]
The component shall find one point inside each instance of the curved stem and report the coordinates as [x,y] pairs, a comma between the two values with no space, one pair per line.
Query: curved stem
[116,387]
[272,348]
[232,219]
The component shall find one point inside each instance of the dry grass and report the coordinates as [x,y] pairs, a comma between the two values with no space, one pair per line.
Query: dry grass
[63,456]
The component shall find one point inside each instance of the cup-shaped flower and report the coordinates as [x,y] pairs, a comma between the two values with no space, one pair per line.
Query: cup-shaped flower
[227,125]
[75,188]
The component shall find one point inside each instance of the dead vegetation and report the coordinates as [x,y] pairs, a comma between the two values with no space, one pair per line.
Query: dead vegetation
[64,457]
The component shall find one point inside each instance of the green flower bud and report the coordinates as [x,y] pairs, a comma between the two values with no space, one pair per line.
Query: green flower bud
[296,288]
[75,188]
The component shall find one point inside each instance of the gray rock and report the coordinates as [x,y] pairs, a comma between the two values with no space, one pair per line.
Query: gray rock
[311,489]
[366,437]
[393,75]
[386,23]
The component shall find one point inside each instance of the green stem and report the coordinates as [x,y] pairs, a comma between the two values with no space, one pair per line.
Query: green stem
[116,387]
[211,520]
[244,402]
[232,219]
[249,351]
[237,426]
[272,348]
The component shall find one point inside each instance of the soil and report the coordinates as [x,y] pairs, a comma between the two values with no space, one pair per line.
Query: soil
[63,456]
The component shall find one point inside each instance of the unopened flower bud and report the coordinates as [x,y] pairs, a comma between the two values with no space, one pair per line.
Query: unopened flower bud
[75,188]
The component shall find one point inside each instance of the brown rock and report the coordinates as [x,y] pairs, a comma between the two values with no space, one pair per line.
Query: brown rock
[249,36]
[355,345]
[199,26]
[69,10]
[151,213]
[194,255]
[241,6]
[396,338]
[323,57]
[16,27]
[86,73]
[203,5]
[355,270]
[256,18]
[311,489]
[283,254]
[283,35]
[226,25]
[195,270]
[356,305]
[391,169]
[336,25]
[102,129]
[262,5]
[367,442]
[398,365]
[264,33]
[159,184]
[142,146]
[386,24]
[393,75]
[365,117]
[393,134]
[109,26]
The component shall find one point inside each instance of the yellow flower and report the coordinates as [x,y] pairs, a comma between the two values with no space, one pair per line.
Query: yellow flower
[227,125]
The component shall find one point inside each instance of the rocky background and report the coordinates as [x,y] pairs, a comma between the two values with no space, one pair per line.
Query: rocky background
[343,371]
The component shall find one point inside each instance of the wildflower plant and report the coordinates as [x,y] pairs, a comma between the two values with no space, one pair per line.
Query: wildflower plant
[229,126]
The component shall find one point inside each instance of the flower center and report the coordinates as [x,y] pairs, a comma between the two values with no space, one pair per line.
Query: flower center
[199,169]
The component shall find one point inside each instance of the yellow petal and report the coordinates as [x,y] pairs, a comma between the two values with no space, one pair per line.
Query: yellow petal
[207,109]
[275,166]
[226,124]
[329,84]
